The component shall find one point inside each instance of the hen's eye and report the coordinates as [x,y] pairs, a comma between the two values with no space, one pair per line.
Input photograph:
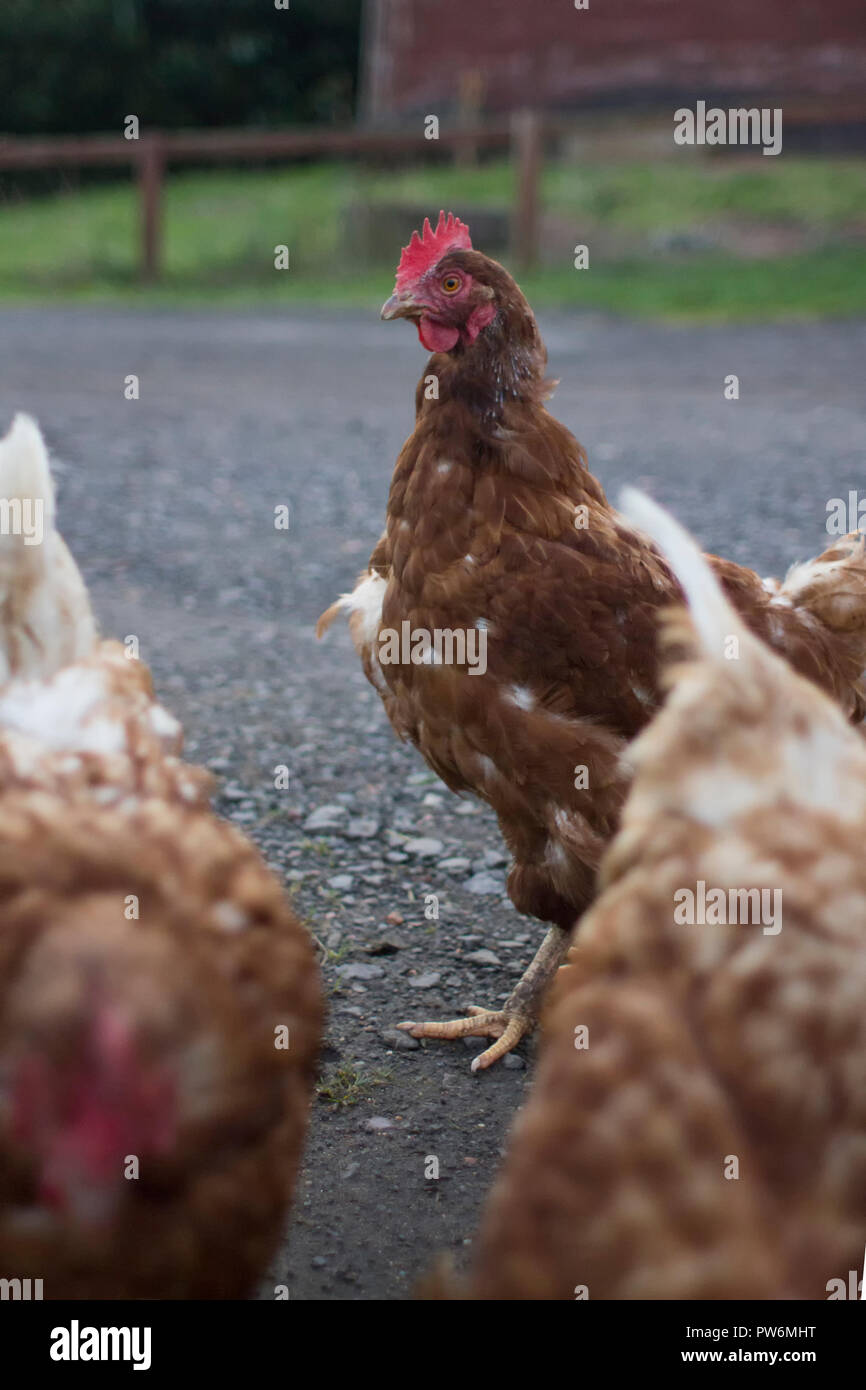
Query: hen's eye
[451,284]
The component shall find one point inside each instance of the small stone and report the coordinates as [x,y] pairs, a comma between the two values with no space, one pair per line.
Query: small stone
[494,858]
[483,883]
[387,945]
[433,799]
[377,1123]
[342,882]
[396,856]
[403,1042]
[394,919]
[426,981]
[513,1061]
[324,818]
[232,792]
[360,972]
[424,848]
[363,828]
[454,866]
[483,958]
[469,808]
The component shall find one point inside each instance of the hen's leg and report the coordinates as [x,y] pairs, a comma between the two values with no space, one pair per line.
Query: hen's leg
[518,1015]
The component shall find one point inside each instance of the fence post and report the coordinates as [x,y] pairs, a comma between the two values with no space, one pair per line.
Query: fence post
[469,103]
[151,172]
[527,154]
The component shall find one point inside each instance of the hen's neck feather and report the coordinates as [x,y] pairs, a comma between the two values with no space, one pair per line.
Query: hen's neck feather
[504,365]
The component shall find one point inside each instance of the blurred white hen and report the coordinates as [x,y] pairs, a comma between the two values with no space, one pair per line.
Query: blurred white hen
[46,621]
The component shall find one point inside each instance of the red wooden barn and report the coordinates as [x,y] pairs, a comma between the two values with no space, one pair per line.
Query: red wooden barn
[417,53]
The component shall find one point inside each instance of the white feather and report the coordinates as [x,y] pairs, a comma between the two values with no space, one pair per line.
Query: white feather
[366,599]
[47,620]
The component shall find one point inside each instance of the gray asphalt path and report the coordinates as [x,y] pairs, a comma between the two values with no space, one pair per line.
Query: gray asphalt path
[168,503]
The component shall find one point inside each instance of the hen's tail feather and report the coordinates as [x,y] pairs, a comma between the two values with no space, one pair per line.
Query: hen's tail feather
[713,619]
[46,620]
[25,477]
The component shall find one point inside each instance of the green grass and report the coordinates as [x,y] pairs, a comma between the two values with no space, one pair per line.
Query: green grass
[674,196]
[831,284]
[669,195]
[221,229]
[217,227]
[349,1085]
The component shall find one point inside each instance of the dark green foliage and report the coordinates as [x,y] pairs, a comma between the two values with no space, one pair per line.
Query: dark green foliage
[82,65]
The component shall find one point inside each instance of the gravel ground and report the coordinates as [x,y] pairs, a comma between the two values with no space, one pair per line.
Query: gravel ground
[168,503]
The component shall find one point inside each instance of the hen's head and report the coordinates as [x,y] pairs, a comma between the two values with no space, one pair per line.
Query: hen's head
[82,1122]
[446,288]
[90,1073]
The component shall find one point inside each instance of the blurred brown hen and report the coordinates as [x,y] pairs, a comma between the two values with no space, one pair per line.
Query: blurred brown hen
[497,530]
[697,1126]
[160,1005]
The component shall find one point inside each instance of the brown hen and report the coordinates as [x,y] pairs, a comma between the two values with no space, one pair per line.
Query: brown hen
[497,530]
[697,1126]
[160,1006]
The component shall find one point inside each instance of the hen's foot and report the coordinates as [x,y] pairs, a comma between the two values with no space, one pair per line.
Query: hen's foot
[506,1025]
[517,1017]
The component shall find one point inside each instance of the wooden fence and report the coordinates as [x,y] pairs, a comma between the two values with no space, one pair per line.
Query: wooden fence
[524,134]
[152,153]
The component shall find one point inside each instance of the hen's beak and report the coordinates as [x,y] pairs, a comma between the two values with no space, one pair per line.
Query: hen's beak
[400,306]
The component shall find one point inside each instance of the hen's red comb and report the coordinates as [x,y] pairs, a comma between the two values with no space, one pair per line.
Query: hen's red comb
[424,251]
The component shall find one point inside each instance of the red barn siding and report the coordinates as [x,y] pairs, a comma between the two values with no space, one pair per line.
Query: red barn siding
[546,52]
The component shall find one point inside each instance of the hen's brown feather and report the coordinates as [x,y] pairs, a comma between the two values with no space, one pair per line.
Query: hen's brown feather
[493,515]
[706,1044]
